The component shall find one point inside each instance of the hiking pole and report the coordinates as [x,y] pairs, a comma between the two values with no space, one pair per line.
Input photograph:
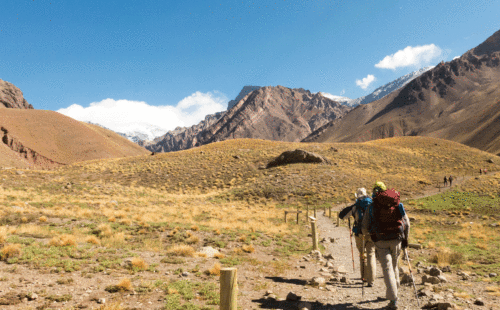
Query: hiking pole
[362,267]
[411,273]
[352,252]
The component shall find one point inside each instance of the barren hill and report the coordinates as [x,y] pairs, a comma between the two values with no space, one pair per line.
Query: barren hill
[37,138]
[457,100]
[271,113]
[12,97]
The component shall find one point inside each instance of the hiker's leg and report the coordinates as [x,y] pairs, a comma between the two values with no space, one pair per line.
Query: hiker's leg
[385,258]
[362,261]
[396,253]
[371,266]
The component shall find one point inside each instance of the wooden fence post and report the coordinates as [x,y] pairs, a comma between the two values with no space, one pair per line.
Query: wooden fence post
[338,218]
[330,212]
[298,216]
[285,215]
[228,289]
[314,235]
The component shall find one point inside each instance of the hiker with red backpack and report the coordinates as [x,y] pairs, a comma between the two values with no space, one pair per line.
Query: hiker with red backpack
[388,226]
[357,210]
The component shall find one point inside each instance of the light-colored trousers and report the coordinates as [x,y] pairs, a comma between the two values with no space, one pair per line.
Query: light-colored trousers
[388,252]
[367,262]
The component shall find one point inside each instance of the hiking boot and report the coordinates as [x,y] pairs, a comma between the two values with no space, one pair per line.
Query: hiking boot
[392,305]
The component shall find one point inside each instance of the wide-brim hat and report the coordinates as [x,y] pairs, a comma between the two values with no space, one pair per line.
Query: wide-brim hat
[360,192]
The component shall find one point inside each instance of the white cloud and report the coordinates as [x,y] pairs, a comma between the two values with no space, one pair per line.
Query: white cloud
[342,92]
[456,57]
[417,56]
[365,82]
[126,115]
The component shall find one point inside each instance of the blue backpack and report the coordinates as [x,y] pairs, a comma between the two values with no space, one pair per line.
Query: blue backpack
[361,205]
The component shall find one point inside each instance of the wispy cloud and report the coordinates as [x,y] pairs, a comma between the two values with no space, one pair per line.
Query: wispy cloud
[126,115]
[342,92]
[365,82]
[417,56]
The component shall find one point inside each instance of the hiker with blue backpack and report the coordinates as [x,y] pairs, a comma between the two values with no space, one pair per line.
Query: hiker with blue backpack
[364,244]
[388,226]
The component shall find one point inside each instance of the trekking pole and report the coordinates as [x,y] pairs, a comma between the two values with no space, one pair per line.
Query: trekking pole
[363,270]
[352,252]
[411,273]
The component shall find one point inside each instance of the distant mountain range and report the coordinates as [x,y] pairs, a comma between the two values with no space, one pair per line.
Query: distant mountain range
[457,100]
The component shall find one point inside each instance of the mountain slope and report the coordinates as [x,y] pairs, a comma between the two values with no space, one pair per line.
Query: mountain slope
[457,100]
[271,113]
[37,138]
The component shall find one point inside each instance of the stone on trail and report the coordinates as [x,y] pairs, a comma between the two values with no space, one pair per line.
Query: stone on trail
[442,279]
[479,302]
[304,305]
[340,269]
[344,280]
[439,306]
[318,281]
[405,278]
[492,275]
[293,297]
[435,272]
[430,279]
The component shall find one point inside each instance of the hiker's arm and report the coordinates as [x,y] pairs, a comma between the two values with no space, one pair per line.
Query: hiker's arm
[346,212]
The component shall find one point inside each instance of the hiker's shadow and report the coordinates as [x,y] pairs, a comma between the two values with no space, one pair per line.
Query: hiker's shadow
[269,303]
[290,281]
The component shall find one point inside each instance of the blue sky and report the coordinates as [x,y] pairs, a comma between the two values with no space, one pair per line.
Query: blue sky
[180,60]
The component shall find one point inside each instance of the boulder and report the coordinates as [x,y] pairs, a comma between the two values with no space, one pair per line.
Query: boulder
[430,279]
[293,297]
[208,251]
[318,281]
[435,272]
[297,156]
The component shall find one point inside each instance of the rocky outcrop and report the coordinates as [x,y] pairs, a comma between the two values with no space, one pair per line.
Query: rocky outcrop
[245,91]
[26,153]
[295,157]
[12,97]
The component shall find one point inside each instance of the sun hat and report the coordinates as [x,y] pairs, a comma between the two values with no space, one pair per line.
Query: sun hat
[360,192]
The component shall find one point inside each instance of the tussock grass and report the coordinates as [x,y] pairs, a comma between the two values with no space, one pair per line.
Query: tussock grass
[139,263]
[63,240]
[93,240]
[181,250]
[214,270]
[11,250]
[446,256]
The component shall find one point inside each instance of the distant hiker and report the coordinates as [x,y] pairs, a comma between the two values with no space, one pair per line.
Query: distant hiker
[445,181]
[358,209]
[480,171]
[485,170]
[451,179]
[388,226]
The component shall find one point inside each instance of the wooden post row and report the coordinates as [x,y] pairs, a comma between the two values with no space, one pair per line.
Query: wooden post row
[228,289]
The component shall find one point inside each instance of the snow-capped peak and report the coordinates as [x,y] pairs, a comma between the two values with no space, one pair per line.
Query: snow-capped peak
[339,99]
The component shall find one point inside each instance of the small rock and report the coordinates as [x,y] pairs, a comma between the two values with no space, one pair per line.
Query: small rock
[430,279]
[293,297]
[32,296]
[329,265]
[492,275]
[425,292]
[494,225]
[304,305]
[303,267]
[318,281]
[323,270]
[405,278]
[435,272]
[328,256]
[330,288]
[442,279]
[101,301]
[268,292]
[340,269]
[272,296]
[446,269]
[479,302]
[344,280]
[185,274]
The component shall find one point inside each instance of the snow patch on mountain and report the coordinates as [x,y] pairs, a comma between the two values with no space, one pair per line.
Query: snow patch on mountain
[339,99]
[388,88]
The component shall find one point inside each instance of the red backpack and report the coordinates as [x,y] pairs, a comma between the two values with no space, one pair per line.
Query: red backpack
[386,216]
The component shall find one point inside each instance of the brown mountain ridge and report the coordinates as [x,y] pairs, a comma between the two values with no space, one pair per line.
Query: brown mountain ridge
[271,113]
[458,100]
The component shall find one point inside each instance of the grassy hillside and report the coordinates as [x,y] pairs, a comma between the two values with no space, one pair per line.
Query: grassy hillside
[86,220]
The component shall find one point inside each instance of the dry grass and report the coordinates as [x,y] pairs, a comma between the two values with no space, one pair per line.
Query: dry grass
[192,239]
[248,248]
[194,228]
[214,271]
[219,255]
[139,263]
[42,219]
[105,230]
[181,250]
[445,256]
[493,290]
[125,284]
[11,250]
[3,234]
[463,295]
[93,240]
[63,240]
